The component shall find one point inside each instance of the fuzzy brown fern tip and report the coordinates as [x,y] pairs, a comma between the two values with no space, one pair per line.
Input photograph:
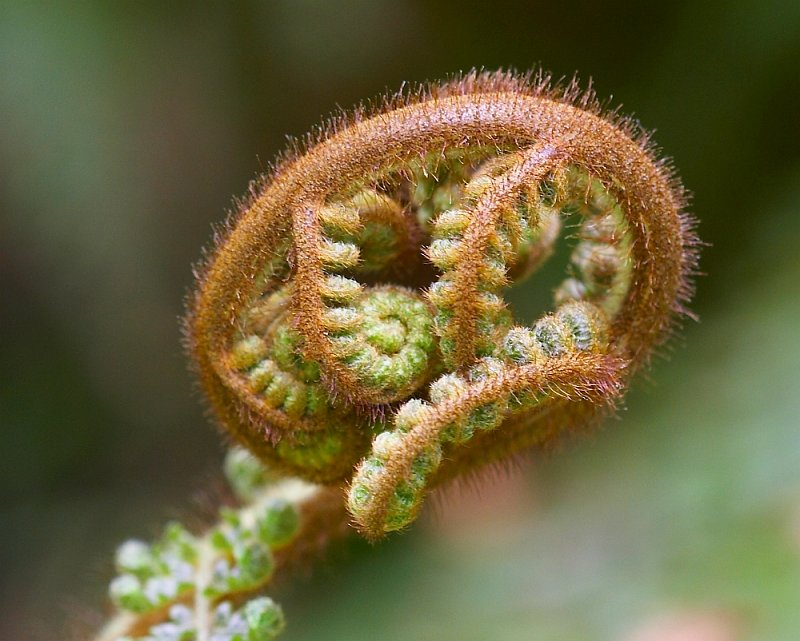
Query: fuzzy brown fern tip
[349,328]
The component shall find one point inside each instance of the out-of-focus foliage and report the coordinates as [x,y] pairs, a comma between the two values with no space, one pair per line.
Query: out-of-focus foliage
[125,128]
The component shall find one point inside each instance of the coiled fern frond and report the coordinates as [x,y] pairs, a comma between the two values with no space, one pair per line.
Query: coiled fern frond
[349,327]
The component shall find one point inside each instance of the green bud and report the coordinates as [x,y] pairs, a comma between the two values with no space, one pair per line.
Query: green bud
[550,336]
[127,593]
[220,542]
[280,523]
[134,557]
[177,541]
[520,346]
[245,473]
[255,564]
[264,618]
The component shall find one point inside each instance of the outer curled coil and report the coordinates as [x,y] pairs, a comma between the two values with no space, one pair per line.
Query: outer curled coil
[350,325]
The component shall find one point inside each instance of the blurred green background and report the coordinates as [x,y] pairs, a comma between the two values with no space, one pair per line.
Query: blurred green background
[126,128]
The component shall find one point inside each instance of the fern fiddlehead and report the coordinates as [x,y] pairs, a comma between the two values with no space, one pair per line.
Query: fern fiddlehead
[349,328]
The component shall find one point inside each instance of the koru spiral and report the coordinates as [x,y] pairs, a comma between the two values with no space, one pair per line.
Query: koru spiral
[349,326]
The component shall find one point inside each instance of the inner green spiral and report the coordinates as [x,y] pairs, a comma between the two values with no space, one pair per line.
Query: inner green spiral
[391,346]
[396,343]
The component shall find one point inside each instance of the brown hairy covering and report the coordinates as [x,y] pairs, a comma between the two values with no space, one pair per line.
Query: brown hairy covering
[552,126]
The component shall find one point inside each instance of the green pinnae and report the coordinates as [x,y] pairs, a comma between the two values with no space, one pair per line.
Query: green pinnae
[550,336]
[283,349]
[410,414]
[371,469]
[340,289]
[489,330]
[302,327]
[247,352]
[442,323]
[295,402]
[264,620]
[407,492]
[136,558]
[485,368]
[485,417]
[444,253]
[249,566]
[279,524]
[127,593]
[402,507]
[437,185]
[389,336]
[451,386]
[153,576]
[240,562]
[339,255]
[220,542]
[447,347]
[178,542]
[379,246]
[493,272]
[277,390]
[442,293]
[315,450]
[583,321]
[381,373]
[275,366]
[451,222]
[405,496]
[243,561]
[339,220]
[520,346]
[316,401]
[245,473]
[398,517]
[359,496]
[458,432]
[427,462]
[255,564]
[444,315]
[386,444]
[492,305]
[447,387]
[261,375]
[380,237]
[341,320]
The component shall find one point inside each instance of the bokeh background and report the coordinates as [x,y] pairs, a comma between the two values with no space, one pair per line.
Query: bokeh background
[125,130]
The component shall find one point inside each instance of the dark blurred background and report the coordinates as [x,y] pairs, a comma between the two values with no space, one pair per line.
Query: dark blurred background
[125,130]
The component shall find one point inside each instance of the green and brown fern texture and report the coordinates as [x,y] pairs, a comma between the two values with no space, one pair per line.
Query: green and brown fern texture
[350,332]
